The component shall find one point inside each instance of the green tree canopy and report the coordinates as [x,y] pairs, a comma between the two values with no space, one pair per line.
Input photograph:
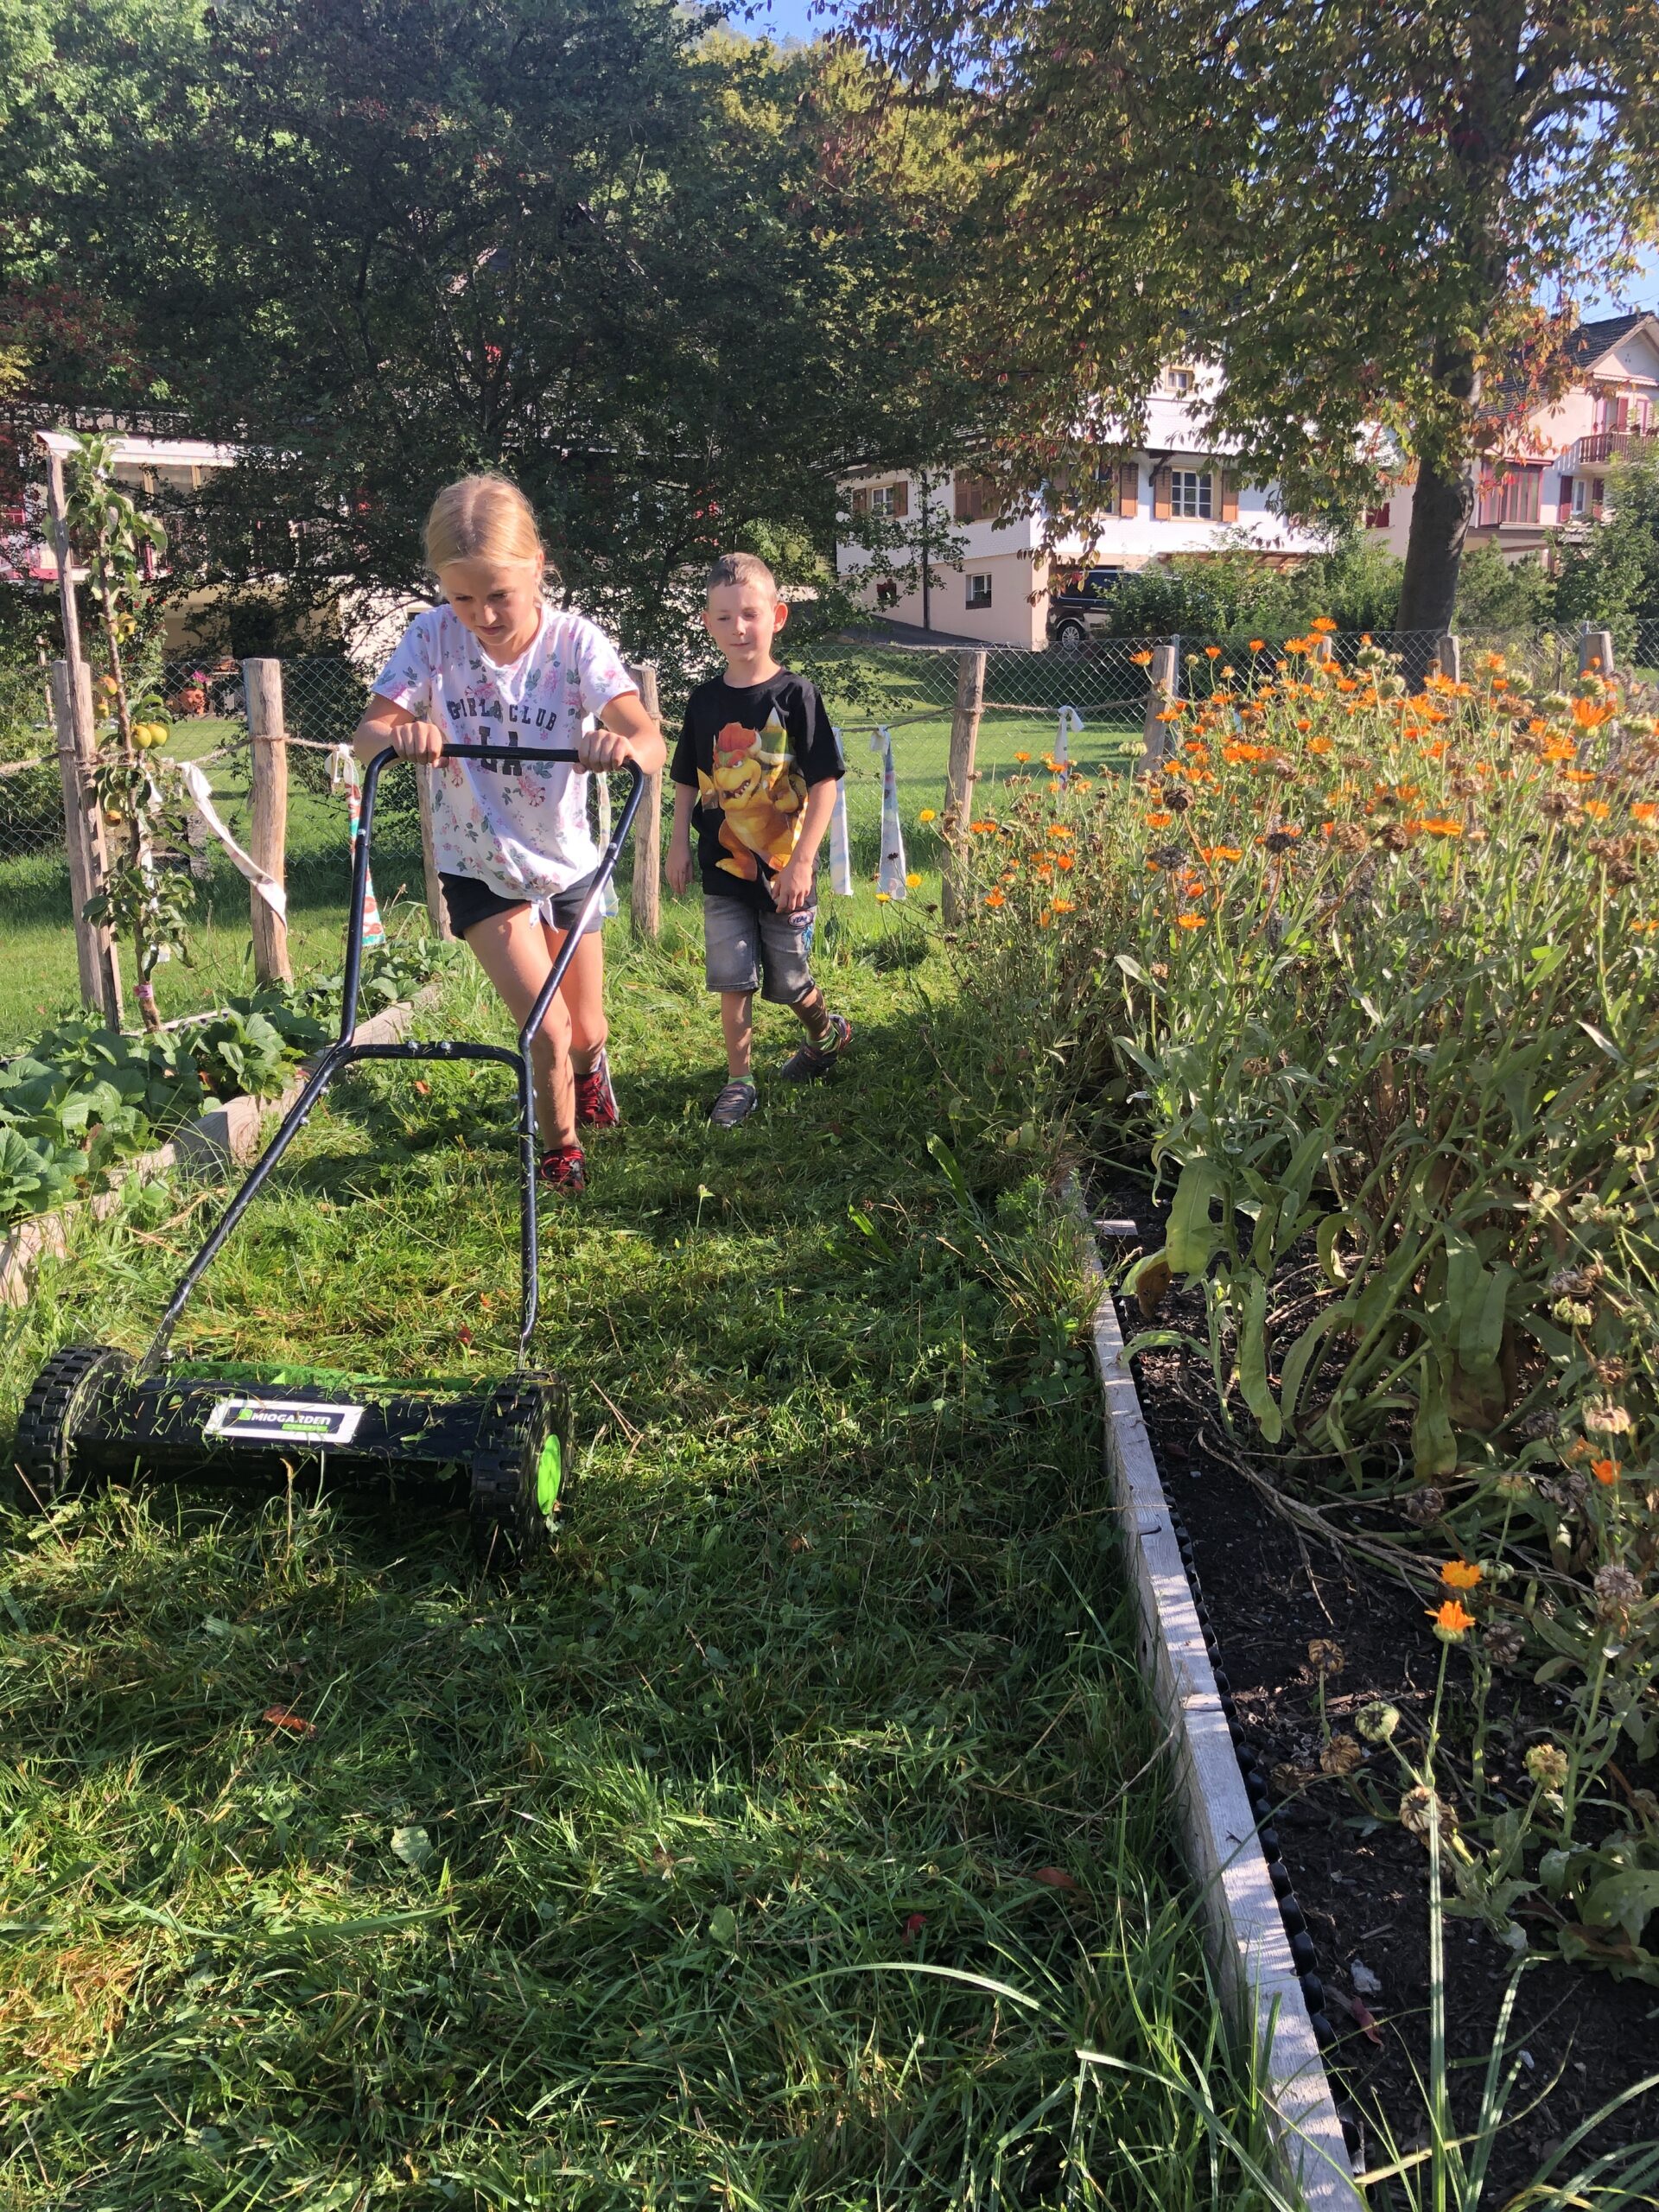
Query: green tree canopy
[643,266]
[1351,212]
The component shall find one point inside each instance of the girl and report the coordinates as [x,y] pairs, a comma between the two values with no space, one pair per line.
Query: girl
[495,666]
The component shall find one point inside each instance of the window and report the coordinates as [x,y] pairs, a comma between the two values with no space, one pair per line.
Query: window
[1377,518]
[1518,493]
[979,591]
[1192,493]
[890,500]
[1106,483]
[1181,382]
[975,499]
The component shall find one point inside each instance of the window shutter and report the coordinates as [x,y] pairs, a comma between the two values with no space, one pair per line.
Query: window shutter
[1377,518]
[1566,497]
[1598,487]
[964,498]
[1622,412]
[1161,509]
[1229,497]
[1128,489]
[862,500]
[900,499]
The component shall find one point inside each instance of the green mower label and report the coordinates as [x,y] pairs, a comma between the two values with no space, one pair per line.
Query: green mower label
[282,1420]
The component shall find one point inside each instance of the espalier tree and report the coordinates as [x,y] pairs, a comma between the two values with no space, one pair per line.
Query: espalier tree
[140,797]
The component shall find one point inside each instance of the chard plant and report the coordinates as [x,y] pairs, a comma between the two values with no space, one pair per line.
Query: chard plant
[140,799]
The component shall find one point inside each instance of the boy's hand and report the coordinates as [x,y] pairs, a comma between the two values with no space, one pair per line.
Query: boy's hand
[791,888]
[679,865]
[414,741]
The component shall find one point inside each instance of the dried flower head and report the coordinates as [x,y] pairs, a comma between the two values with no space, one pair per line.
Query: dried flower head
[1341,1756]
[1504,1642]
[1421,1810]
[1547,1766]
[1378,1721]
[1617,1590]
[1425,1506]
[1324,1658]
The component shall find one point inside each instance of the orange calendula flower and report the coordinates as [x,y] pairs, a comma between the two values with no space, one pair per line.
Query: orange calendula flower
[1590,713]
[1319,745]
[1461,1573]
[1059,830]
[1159,821]
[1213,652]
[1578,775]
[1599,808]
[1257,645]
[1141,660]
[1219,852]
[1441,825]
[1322,625]
[1452,1622]
[1064,905]
[995,898]
[1644,811]
[927,814]
[1644,929]
[1190,921]
[1064,860]
[1605,1471]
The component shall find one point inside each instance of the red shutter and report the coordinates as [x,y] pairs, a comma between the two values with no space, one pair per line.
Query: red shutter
[1597,487]
[1228,498]
[1566,509]
[1128,489]
[1622,412]
[900,499]
[1377,518]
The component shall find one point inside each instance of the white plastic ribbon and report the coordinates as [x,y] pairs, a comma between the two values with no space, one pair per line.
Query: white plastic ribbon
[1071,727]
[201,798]
[840,849]
[890,875]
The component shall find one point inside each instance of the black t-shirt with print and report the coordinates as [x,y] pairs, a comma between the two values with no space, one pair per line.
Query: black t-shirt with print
[752,752]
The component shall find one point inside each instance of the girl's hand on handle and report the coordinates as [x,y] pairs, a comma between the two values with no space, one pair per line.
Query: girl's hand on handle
[605,748]
[414,740]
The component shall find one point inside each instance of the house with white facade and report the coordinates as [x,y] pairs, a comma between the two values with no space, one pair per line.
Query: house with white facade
[1557,475]
[1172,493]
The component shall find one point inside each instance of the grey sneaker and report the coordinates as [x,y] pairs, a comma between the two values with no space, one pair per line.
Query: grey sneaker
[817,1057]
[736,1104]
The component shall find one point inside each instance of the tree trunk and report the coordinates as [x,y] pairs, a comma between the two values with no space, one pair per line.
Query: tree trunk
[1440,513]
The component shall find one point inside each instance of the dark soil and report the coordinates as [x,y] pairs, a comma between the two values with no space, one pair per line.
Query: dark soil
[1363,1886]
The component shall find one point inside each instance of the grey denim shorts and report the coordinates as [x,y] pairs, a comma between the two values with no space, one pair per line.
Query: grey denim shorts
[745,951]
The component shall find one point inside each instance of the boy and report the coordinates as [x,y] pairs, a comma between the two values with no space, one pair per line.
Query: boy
[756,764]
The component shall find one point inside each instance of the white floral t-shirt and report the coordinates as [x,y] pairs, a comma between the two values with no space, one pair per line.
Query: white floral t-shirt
[519,826]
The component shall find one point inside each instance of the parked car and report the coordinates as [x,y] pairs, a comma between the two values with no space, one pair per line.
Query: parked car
[1077,604]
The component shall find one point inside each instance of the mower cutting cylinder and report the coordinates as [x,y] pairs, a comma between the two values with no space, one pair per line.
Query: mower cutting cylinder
[92,1418]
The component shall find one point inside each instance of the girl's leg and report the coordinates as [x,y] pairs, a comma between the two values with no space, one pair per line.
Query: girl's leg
[583,993]
[512,951]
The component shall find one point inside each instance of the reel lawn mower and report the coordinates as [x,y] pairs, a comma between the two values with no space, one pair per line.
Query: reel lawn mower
[95,1415]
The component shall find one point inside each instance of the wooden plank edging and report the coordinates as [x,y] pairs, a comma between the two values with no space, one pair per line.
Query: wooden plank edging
[1245,1934]
[225,1135]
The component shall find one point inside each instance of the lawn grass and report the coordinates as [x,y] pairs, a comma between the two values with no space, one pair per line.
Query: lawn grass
[782,1843]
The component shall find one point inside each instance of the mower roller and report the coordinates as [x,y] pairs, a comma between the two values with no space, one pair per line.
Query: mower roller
[95,1415]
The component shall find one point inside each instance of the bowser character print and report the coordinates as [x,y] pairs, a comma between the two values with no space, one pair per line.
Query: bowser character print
[759,792]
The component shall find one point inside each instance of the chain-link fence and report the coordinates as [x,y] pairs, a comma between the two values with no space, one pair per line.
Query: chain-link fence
[1089,702]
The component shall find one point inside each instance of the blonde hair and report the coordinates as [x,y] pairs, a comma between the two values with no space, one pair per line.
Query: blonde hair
[741,569]
[485,518]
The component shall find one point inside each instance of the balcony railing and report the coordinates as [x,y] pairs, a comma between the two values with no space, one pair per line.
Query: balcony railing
[1611,445]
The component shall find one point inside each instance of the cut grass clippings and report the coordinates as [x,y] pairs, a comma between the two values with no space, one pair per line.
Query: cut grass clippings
[785,1841]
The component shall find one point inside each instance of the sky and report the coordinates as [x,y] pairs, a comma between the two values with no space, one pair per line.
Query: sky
[807,19]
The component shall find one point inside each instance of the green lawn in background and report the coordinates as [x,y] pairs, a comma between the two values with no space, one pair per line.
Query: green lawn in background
[784,1843]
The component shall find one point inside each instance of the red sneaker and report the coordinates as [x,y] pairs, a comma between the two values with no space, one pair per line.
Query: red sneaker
[596,1107]
[564,1169]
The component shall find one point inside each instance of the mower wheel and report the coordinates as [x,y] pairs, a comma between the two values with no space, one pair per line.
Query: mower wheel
[521,1469]
[64,1393]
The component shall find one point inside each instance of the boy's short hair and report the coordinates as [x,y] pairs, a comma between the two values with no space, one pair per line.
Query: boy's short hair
[739,569]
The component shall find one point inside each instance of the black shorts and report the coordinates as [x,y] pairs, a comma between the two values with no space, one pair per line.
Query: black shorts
[469,902]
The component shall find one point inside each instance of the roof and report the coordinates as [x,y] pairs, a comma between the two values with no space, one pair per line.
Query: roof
[1593,341]
[154,453]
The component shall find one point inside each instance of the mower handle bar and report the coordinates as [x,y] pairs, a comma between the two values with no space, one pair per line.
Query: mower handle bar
[343,1051]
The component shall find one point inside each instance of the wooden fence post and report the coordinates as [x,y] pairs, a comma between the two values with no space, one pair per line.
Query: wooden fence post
[1596,654]
[262,688]
[83,827]
[1449,654]
[1165,686]
[959,777]
[645,909]
[436,912]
